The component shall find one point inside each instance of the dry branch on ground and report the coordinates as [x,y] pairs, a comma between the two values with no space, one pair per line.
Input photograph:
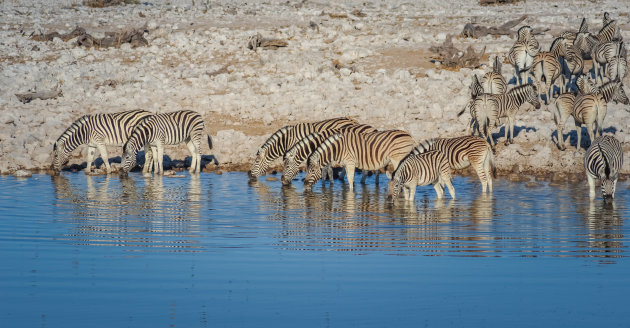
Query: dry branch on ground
[497,2]
[27,97]
[108,3]
[135,37]
[449,56]
[257,41]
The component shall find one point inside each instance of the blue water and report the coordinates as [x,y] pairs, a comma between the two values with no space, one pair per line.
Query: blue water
[217,251]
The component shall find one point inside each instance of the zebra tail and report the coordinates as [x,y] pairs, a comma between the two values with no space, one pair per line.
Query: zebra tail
[209,140]
[463,110]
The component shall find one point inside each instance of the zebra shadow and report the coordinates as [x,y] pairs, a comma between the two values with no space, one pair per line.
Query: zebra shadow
[517,130]
[570,138]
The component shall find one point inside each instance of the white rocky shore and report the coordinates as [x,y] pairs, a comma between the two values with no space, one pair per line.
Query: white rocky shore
[364,59]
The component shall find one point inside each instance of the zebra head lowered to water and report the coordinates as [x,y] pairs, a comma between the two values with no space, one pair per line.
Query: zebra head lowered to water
[421,169]
[97,131]
[603,160]
[366,151]
[166,129]
[286,137]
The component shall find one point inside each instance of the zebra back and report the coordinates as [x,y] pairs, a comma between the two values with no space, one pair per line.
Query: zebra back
[517,96]
[286,137]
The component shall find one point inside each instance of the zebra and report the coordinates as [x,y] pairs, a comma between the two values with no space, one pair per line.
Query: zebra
[476,89]
[546,66]
[574,64]
[571,36]
[462,152]
[585,42]
[494,82]
[367,151]
[297,154]
[97,131]
[286,137]
[488,109]
[606,19]
[609,32]
[422,169]
[165,129]
[602,54]
[603,160]
[617,67]
[590,110]
[564,104]
[522,53]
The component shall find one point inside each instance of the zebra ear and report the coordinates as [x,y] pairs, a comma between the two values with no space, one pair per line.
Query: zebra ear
[583,26]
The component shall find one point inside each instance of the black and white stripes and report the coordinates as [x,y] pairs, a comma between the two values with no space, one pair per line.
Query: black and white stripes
[166,129]
[602,161]
[97,131]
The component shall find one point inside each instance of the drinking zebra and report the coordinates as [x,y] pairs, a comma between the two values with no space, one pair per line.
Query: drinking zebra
[366,151]
[166,129]
[97,131]
[286,137]
[462,152]
[546,66]
[422,169]
[297,154]
[494,82]
[522,53]
[603,160]
[488,109]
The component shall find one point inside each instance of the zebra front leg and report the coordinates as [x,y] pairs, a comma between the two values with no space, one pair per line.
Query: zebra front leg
[451,189]
[195,157]
[148,160]
[591,185]
[578,129]
[103,150]
[412,191]
[591,135]
[90,158]
[364,174]
[350,175]
[561,137]
[439,189]
[159,159]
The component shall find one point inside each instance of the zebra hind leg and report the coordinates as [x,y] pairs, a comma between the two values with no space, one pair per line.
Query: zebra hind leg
[103,150]
[90,158]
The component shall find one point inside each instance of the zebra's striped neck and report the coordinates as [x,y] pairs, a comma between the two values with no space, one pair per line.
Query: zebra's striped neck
[329,150]
[74,136]
[275,146]
[142,134]
[521,94]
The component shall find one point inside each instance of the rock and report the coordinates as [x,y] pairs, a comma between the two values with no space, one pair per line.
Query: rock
[22,174]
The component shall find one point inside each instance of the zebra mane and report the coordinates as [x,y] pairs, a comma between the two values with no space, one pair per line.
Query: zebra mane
[521,90]
[70,131]
[523,32]
[423,146]
[276,136]
[606,18]
[301,144]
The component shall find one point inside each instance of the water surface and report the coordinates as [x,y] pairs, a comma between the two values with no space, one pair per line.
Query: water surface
[218,251]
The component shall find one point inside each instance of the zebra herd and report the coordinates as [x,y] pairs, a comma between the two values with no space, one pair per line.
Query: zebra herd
[344,141]
[133,130]
[408,163]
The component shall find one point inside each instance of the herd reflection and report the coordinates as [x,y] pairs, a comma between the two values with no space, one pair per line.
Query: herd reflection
[177,215]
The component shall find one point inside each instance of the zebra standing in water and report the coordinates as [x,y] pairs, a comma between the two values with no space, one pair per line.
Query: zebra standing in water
[420,170]
[462,152]
[547,67]
[488,109]
[367,151]
[295,156]
[166,129]
[286,137]
[97,131]
[603,160]
[522,53]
